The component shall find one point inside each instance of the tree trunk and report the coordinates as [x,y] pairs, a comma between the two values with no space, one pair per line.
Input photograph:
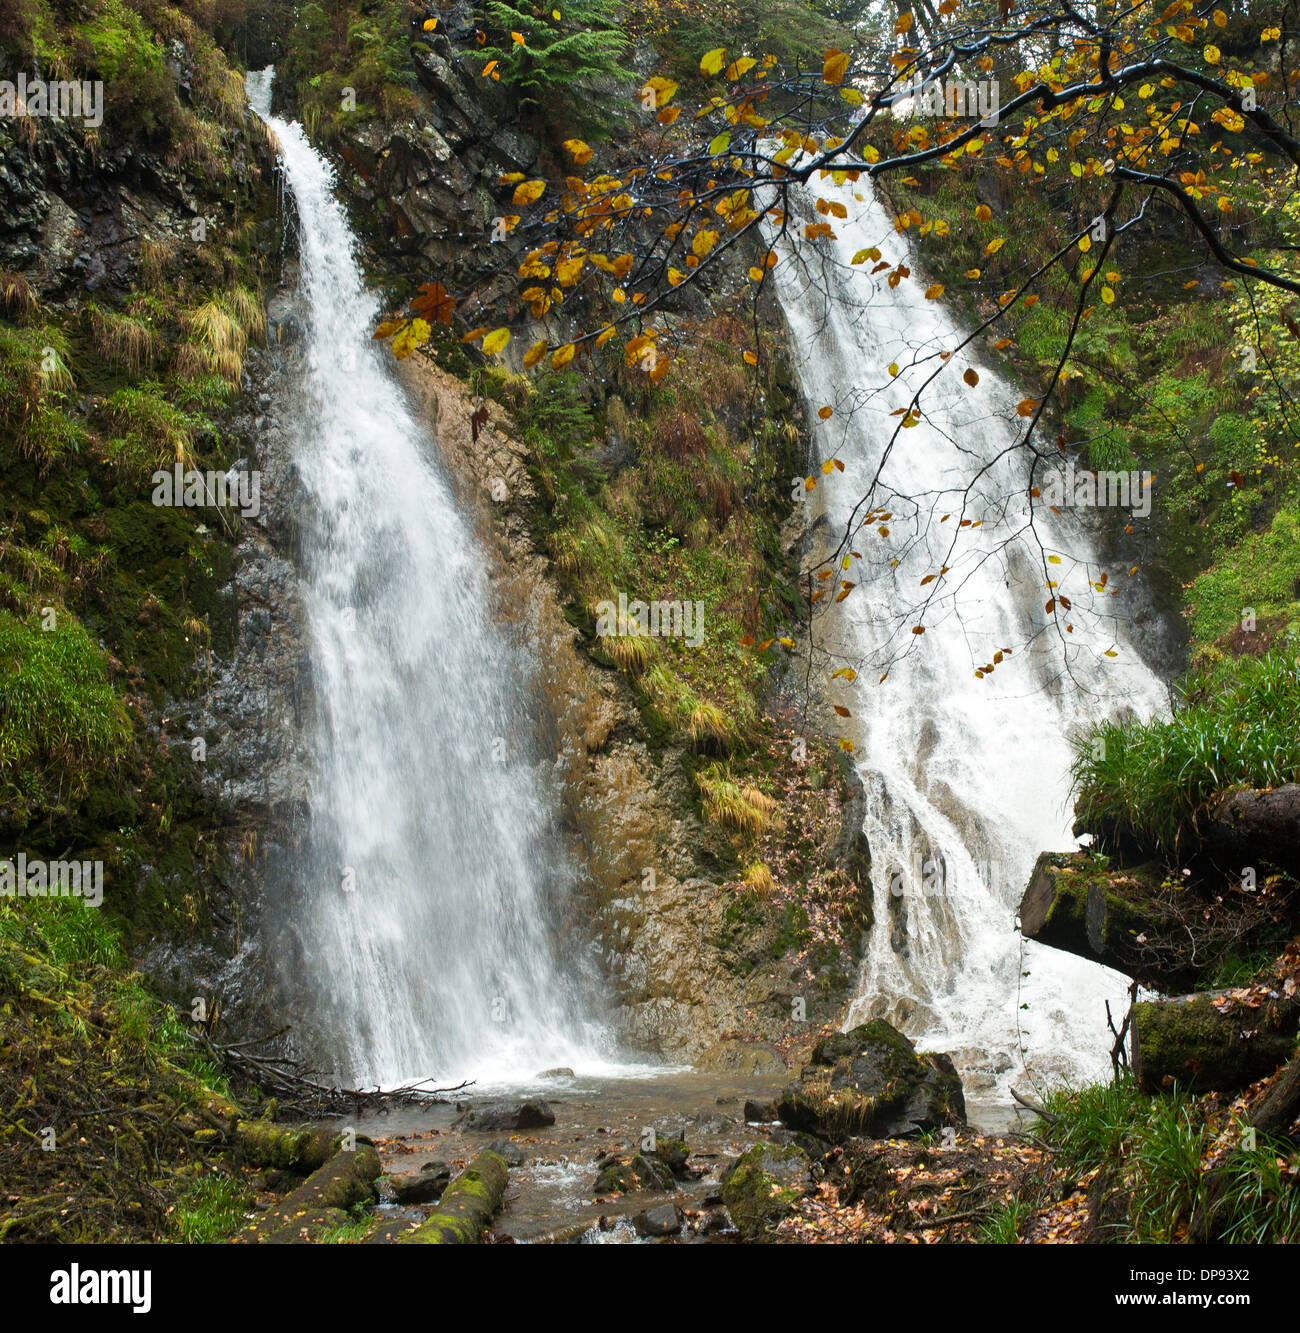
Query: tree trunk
[1075,905]
[321,1201]
[1247,827]
[467,1206]
[1188,1041]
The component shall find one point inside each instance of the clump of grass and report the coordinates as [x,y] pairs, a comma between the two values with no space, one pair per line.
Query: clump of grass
[124,341]
[60,720]
[155,259]
[760,879]
[1003,1225]
[213,1209]
[1152,779]
[631,653]
[218,333]
[729,804]
[148,431]
[1165,1153]
[1255,1200]
[709,724]
[17,298]
[1087,1126]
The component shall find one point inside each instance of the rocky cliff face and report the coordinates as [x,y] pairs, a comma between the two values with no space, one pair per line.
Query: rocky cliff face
[699,963]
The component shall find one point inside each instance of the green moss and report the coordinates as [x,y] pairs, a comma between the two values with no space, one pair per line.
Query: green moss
[114,45]
[60,720]
[763,1186]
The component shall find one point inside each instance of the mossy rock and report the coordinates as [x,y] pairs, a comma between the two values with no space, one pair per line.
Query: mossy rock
[872,1082]
[763,1185]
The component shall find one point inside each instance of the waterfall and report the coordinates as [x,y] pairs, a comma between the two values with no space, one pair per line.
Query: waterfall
[424,939]
[966,778]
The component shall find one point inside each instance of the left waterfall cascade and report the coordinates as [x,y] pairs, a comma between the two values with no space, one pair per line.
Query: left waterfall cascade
[425,897]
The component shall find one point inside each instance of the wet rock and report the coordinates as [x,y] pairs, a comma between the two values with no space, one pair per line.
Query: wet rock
[563,1071]
[423,1186]
[815,1148]
[652,1173]
[762,1185]
[759,1113]
[512,1152]
[746,1059]
[673,1154]
[663,1220]
[616,1178]
[872,1082]
[531,1114]
[642,1172]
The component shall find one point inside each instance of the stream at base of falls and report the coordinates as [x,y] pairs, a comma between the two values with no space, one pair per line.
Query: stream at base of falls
[551,1195]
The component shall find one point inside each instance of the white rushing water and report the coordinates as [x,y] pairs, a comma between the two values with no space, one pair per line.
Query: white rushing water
[966,778]
[425,928]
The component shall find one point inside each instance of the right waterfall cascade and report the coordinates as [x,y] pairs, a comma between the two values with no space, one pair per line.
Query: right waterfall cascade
[966,775]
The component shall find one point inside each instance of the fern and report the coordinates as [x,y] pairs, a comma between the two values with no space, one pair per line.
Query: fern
[560,57]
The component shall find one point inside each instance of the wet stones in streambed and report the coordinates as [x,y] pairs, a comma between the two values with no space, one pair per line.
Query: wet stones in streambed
[531,1114]
[872,1082]
[423,1186]
[658,1169]
[663,1220]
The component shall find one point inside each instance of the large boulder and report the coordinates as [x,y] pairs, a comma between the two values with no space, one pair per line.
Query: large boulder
[871,1082]
[531,1114]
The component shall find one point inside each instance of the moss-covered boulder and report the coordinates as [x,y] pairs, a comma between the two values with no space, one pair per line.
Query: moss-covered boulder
[645,1171]
[762,1186]
[872,1082]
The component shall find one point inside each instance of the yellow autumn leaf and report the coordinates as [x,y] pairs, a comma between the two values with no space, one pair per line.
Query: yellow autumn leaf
[535,353]
[834,66]
[712,61]
[740,67]
[1108,296]
[414,335]
[529,192]
[934,291]
[563,355]
[995,245]
[983,212]
[496,341]
[577,150]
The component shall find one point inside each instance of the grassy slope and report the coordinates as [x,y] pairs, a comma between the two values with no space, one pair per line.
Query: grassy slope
[107,605]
